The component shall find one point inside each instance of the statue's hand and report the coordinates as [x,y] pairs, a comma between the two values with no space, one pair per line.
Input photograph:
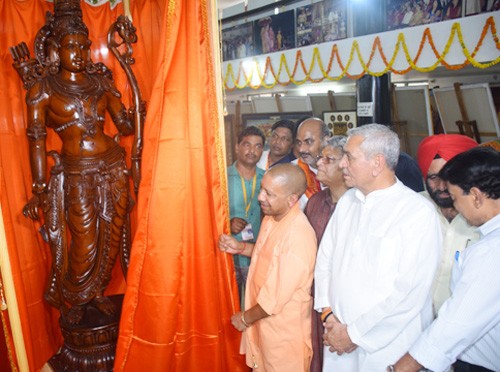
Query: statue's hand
[142,110]
[30,210]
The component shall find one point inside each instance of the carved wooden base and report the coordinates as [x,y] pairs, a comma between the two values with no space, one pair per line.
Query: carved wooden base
[91,344]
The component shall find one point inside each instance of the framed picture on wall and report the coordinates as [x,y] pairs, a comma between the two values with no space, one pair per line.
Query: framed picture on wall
[265,121]
[404,13]
[333,19]
[339,122]
[274,33]
[476,6]
[321,21]
[237,42]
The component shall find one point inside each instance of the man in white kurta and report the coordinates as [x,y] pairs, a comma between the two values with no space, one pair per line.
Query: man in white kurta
[377,259]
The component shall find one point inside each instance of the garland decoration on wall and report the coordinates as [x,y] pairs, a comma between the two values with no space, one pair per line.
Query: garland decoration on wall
[268,78]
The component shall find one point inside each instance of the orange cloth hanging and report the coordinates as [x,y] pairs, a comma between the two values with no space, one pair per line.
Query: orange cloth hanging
[178,303]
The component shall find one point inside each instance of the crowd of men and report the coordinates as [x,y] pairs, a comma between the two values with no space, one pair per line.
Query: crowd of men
[344,264]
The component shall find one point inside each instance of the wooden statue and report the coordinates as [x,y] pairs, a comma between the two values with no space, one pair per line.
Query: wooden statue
[86,199]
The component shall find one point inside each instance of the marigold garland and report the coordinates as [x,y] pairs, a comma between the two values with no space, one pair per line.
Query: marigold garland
[401,44]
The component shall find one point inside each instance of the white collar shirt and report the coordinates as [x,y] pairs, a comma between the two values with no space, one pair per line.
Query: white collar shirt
[468,324]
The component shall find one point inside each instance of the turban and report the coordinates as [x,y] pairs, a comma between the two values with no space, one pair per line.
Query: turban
[444,145]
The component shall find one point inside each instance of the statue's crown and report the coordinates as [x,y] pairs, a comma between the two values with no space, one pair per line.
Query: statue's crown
[67,19]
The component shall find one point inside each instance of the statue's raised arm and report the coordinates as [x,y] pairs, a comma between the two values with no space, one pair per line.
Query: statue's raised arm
[122,34]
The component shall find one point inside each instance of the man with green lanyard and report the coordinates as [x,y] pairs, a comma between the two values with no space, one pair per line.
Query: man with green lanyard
[244,179]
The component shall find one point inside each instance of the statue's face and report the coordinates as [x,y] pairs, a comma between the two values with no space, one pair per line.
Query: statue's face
[74,52]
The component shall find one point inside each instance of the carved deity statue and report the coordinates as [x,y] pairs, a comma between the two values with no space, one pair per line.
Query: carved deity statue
[86,199]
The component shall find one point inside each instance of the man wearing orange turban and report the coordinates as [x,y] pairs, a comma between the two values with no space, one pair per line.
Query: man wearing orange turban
[433,153]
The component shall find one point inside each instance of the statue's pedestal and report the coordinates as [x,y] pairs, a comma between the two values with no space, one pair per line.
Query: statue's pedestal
[91,344]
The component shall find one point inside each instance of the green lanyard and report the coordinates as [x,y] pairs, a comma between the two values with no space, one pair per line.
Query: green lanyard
[243,187]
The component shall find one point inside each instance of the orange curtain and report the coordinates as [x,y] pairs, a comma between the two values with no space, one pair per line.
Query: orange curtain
[179,295]
[29,256]
[177,308]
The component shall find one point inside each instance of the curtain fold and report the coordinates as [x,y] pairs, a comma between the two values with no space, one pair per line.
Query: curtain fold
[180,291]
[177,307]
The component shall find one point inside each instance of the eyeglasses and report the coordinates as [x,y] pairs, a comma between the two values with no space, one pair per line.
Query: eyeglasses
[327,159]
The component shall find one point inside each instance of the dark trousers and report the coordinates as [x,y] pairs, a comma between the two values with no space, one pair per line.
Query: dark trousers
[461,366]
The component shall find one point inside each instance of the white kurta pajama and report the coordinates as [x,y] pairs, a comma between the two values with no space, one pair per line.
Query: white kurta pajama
[375,267]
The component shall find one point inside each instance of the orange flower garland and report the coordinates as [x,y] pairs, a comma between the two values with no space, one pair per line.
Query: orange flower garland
[376,46]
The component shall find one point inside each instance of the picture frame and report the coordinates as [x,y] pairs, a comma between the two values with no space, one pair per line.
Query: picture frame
[321,22]
[339,122]
[265,121]
[274,33]
[238,42]
[403,13]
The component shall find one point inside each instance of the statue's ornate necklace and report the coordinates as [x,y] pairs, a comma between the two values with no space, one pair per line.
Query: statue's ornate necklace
[79,90]
[85,93]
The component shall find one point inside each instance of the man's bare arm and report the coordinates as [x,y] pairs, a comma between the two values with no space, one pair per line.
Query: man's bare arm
[406,364]
[244,319]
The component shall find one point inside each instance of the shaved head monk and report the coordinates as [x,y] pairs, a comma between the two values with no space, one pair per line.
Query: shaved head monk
[277,323]
[433,153]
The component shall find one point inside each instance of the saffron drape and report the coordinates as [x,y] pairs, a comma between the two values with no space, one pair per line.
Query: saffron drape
[179,296]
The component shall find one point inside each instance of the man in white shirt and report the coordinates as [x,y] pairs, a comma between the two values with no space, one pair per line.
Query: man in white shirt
[468,324]
[376,260]
[433,153]
[311,135]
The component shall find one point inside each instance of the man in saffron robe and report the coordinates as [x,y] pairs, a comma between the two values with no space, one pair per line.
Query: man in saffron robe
[276,324]
[311,135]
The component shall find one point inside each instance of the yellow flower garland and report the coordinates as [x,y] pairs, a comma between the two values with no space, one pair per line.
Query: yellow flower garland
[355,50]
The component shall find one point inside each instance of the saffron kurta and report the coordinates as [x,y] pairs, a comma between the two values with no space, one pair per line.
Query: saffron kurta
[279,280]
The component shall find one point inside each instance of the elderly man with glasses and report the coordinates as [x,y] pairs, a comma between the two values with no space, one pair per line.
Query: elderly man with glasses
[318,210]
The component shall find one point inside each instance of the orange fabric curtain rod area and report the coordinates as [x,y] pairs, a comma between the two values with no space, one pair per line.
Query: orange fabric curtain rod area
[181,290]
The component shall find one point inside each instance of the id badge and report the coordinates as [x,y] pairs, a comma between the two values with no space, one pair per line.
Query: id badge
[247,233]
